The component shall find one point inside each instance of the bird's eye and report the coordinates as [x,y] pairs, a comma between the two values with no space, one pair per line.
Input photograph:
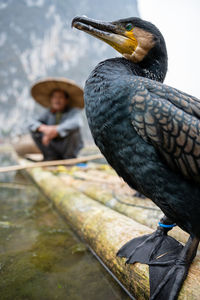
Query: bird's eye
[129,26]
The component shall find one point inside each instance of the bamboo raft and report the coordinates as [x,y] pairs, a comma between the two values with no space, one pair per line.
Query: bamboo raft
[104,212]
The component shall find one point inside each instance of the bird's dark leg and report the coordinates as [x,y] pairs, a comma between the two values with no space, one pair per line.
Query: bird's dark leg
[171,278]
[147,248]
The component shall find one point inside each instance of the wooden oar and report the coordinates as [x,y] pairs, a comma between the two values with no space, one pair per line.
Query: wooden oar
[67,162]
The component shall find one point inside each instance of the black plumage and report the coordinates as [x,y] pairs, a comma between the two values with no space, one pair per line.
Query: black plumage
[130,122]
[149,133]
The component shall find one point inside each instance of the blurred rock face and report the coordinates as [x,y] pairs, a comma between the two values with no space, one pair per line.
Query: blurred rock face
[36,40]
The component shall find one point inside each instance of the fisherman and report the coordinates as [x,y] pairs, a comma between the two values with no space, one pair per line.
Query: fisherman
[57,132]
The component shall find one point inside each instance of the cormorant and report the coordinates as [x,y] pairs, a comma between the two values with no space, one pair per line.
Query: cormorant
[149,133]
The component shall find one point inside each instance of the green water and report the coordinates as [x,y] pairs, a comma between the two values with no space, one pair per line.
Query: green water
[40,257]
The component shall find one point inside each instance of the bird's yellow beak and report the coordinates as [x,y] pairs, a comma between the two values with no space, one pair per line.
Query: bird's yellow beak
[110,32]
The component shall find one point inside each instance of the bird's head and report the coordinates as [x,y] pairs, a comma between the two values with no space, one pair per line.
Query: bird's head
[134,38]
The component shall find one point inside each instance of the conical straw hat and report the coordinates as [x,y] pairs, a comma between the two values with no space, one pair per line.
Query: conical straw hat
[42,90]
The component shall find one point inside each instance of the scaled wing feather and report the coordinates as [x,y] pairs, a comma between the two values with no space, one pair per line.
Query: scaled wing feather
[170,121]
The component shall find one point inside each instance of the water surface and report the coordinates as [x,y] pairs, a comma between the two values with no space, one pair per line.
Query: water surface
[40,256]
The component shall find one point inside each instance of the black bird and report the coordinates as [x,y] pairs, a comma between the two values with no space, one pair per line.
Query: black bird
[149,133]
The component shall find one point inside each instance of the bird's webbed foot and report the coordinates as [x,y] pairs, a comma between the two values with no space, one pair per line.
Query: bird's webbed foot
[146,249]
[168,260]
[166,278]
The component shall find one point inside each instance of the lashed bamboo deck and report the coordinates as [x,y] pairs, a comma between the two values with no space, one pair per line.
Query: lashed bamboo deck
[103,211]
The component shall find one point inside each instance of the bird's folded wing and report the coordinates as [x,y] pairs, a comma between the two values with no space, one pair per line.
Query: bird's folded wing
[170,121]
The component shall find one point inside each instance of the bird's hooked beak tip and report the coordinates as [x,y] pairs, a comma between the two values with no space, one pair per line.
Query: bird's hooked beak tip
[89,25]
[74,21]
[81,19]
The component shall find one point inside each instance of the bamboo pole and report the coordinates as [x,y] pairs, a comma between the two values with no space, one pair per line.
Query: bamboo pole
[140,210]
[67,162]
[106,230]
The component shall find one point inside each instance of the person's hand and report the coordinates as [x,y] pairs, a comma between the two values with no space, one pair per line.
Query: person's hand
[49,130]
[45,140]
[42,128]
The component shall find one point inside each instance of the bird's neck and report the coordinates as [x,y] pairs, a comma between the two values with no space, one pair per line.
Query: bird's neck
[154,69]
[154,65]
